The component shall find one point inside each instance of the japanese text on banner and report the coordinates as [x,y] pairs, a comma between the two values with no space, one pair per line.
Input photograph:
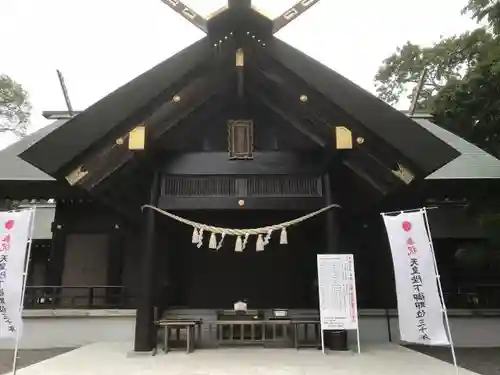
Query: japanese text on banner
[420,308]
[4,257]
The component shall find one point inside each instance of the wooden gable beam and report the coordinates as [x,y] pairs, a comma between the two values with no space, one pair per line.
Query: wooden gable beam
[378,118]
[286,97]
[293,13]
[115,154]
[282,82]
[113,112]
[189,14]
[381,173]
[288,117]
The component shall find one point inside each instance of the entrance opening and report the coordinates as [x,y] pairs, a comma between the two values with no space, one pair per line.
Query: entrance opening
[282,276]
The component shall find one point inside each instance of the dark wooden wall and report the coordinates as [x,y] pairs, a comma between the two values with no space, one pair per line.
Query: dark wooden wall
[281,276]
[271,133]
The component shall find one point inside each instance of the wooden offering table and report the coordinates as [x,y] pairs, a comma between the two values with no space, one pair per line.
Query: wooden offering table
[303,329]
[190,326]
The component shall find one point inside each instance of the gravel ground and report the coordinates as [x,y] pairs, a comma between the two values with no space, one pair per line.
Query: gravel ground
[485,361]
[26,357]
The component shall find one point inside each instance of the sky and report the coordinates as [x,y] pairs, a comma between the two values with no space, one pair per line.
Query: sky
[100,45]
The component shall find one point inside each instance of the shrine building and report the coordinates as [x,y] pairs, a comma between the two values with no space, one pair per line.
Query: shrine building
[238,130]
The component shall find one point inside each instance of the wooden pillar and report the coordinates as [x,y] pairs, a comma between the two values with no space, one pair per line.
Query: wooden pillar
[55,263]
[116,296]
[332,233]
[4,204]
[144,328]
[331,219]
[163,277]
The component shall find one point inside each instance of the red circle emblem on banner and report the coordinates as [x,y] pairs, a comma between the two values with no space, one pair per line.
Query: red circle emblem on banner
[9,224]
[406,226]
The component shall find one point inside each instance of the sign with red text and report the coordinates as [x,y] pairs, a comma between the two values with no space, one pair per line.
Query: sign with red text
[337,292]
[15,228]
[420,308]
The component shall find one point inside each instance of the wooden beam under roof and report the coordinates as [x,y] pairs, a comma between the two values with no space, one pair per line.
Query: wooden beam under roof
[398,131]
[114,156]
[114,112]
[271,82]
[285,89]
[288,117]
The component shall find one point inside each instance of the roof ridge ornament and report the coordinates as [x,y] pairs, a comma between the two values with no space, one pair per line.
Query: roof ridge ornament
[188,13]
[278,23]
[293,13]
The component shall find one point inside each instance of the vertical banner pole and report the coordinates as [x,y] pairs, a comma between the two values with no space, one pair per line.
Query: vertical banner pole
[322,338]
[25,280]
[355,296]
[440,289]
[357,337]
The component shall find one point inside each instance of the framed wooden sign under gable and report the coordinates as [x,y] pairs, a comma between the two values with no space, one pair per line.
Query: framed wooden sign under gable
[240,139]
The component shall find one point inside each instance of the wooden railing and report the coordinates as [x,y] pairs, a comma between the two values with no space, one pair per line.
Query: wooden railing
[475,296]
[479,296]
[78,297]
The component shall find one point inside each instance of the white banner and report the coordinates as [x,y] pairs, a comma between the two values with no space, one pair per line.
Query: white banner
[15,228]
[419,304]
[337,292]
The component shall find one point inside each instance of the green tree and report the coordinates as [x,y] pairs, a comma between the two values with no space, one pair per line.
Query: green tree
[462,84]
[15,107]
[485,11]
[470,107]
[461,90]
[448,61]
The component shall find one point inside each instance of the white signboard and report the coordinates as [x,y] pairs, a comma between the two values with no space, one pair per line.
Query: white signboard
[337,292]
[15,228]
[420,307]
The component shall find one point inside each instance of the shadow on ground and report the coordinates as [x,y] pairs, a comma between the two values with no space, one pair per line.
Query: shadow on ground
[27,357]
[484,361]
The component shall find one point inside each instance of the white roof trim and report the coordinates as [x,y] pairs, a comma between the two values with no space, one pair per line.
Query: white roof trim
[13,168]
[473,163]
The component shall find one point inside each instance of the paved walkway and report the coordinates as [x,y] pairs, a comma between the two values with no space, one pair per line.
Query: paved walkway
[112,359]
[26,357]
[485,361]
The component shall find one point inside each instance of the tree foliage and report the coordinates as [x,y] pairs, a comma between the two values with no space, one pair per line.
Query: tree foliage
[15,107]
[485,11]
[470,107]
[446,62]
[462,84]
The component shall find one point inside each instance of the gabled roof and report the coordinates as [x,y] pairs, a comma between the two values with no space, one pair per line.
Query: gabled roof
[118,110]
[204,78]
[473,162]
[13,168]
[123,109]
[387,123]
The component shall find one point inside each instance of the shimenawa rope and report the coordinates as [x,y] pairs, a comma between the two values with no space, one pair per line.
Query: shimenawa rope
[241,243]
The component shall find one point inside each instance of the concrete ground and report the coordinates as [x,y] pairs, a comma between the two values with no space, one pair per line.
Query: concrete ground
[26,357]
[485,361]
[112,359]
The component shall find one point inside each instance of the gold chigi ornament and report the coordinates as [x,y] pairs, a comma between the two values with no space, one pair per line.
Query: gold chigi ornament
[262,235]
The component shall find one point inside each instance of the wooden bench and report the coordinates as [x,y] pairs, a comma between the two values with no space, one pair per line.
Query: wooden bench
[190,326]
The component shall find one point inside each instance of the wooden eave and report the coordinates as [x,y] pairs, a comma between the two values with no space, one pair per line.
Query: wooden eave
[202,75]
[427,152]
[117,112]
